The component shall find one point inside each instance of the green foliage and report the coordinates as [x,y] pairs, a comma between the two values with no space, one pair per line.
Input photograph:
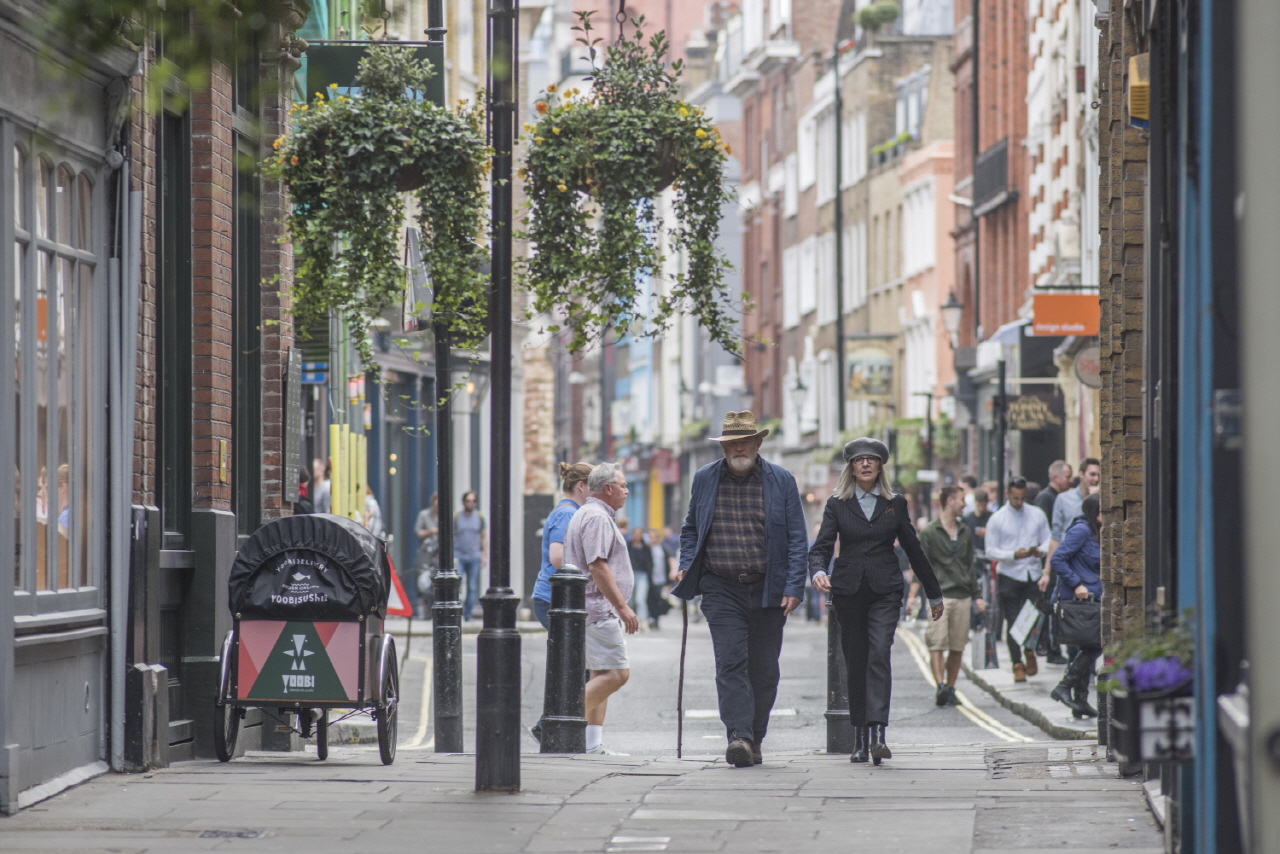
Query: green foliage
[890,144]
[876,15]
[946,439]
[695,429]
[194,34]
[596,163]
[347,163]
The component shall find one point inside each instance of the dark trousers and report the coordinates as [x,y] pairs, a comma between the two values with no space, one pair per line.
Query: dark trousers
[1012,594]
[747,639]
[868,621]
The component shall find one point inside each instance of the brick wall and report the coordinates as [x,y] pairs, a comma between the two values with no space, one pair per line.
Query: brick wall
[1123,160]
[212,149]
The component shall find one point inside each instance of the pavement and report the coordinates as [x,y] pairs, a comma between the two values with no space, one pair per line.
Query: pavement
[977,779]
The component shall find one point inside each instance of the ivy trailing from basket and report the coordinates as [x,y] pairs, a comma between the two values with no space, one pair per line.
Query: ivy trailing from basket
[597,162]
[348,163]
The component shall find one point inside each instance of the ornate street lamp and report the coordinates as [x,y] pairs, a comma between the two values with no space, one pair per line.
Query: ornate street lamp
[952,312]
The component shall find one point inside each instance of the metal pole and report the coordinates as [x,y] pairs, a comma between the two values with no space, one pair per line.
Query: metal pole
[976,68]
[564,722]
[498,645]
[446,613]
[838,225]
[839,732]
[928,454]
[1002,427]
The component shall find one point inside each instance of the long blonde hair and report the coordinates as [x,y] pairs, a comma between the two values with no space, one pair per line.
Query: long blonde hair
[844,486]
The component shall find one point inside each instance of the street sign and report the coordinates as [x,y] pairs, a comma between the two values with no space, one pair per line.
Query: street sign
[927,475]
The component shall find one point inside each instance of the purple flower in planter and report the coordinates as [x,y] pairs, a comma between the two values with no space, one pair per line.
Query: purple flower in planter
[1156,674]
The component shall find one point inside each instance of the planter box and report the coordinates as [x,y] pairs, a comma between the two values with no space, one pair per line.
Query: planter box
[1156,727]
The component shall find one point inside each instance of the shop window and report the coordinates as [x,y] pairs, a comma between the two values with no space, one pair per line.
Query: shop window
[57,415]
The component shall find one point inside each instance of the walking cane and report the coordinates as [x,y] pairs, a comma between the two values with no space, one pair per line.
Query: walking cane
[684,642]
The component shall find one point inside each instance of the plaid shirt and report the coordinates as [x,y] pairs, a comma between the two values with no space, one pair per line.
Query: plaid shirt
[735,544]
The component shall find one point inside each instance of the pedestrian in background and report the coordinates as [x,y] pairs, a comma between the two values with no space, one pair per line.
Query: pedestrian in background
[948,543]
[1059,482]
[1017,538]
[427,529]
[371,516]
[642,566]
[1077,562]
[866,584]
[1067,508]
[594,541]
[321,472]
[657,598]
[573,494]
[470,550]
[743,548]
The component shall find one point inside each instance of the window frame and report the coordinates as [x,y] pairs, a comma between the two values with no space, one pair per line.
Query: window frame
[85,360]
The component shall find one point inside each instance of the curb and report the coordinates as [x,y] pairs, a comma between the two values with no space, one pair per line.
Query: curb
[1028,712]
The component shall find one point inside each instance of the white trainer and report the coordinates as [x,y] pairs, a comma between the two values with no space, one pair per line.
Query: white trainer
[601,750]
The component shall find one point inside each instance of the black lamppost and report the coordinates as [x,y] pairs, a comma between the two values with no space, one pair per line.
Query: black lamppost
[498,645]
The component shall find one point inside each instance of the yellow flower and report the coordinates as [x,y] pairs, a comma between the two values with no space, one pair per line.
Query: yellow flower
[333,85]
[706,144]
[541,107]
[303,106]
[293,161]
[683,112]
[279,142]
[539,140]
[561,187]
[700,133]
[728,149]
[521,173]
[556,131]
[552,88]
[529,127]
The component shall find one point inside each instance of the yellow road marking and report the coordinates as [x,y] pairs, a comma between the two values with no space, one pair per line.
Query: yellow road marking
[921,655]
[424,719]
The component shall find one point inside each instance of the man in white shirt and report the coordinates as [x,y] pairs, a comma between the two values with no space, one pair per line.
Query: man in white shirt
[1017,538]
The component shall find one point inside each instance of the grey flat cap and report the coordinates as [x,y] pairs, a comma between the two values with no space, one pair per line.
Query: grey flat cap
[866,445]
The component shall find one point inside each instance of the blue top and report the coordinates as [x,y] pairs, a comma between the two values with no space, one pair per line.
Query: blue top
[552,532]
[1077,561]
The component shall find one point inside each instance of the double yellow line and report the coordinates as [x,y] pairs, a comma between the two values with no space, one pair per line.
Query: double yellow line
[921,654]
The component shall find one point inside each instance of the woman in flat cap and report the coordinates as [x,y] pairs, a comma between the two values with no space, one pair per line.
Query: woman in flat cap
[866,584]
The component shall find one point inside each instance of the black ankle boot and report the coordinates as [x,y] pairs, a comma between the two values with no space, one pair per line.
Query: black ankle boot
[1063,694]
[875,743]
[1080,693]
[859,754]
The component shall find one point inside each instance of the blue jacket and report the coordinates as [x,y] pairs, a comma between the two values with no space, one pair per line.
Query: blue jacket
[785,540]
[1077,561]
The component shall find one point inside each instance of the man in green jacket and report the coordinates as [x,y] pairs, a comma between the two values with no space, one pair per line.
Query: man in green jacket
[948,543]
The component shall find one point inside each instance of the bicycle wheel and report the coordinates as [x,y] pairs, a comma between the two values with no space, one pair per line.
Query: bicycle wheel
[322,735]
[387,715]
[226,728]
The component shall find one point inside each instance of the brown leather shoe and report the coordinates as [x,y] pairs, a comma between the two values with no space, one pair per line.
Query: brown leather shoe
[1032,668]
[756,756]
[1019,672]
[738,753]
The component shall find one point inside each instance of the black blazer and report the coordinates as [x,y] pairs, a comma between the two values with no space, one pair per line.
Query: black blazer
[866,547]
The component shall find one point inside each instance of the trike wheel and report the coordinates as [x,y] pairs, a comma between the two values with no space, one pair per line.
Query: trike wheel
[389,703]
[322,735]
[226,728]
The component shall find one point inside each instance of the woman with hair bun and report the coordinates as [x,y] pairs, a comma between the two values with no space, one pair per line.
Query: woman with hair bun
[573,485]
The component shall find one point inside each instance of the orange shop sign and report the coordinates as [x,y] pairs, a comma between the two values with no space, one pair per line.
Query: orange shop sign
[1066,314]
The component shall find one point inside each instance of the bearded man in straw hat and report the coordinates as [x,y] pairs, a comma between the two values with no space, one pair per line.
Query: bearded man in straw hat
[744,549]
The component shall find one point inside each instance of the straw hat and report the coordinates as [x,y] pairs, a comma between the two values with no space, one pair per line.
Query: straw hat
[740,425]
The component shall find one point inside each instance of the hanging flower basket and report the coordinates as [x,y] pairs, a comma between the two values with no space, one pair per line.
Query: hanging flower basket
[348,162]
[597,162]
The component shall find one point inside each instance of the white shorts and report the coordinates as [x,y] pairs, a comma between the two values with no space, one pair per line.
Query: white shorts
[606,645]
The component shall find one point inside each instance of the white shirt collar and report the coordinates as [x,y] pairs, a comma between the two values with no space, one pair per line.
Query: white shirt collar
[859,493]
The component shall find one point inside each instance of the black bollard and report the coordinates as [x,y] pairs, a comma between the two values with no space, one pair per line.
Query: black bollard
[839,732]
[446,640]
[564,725]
